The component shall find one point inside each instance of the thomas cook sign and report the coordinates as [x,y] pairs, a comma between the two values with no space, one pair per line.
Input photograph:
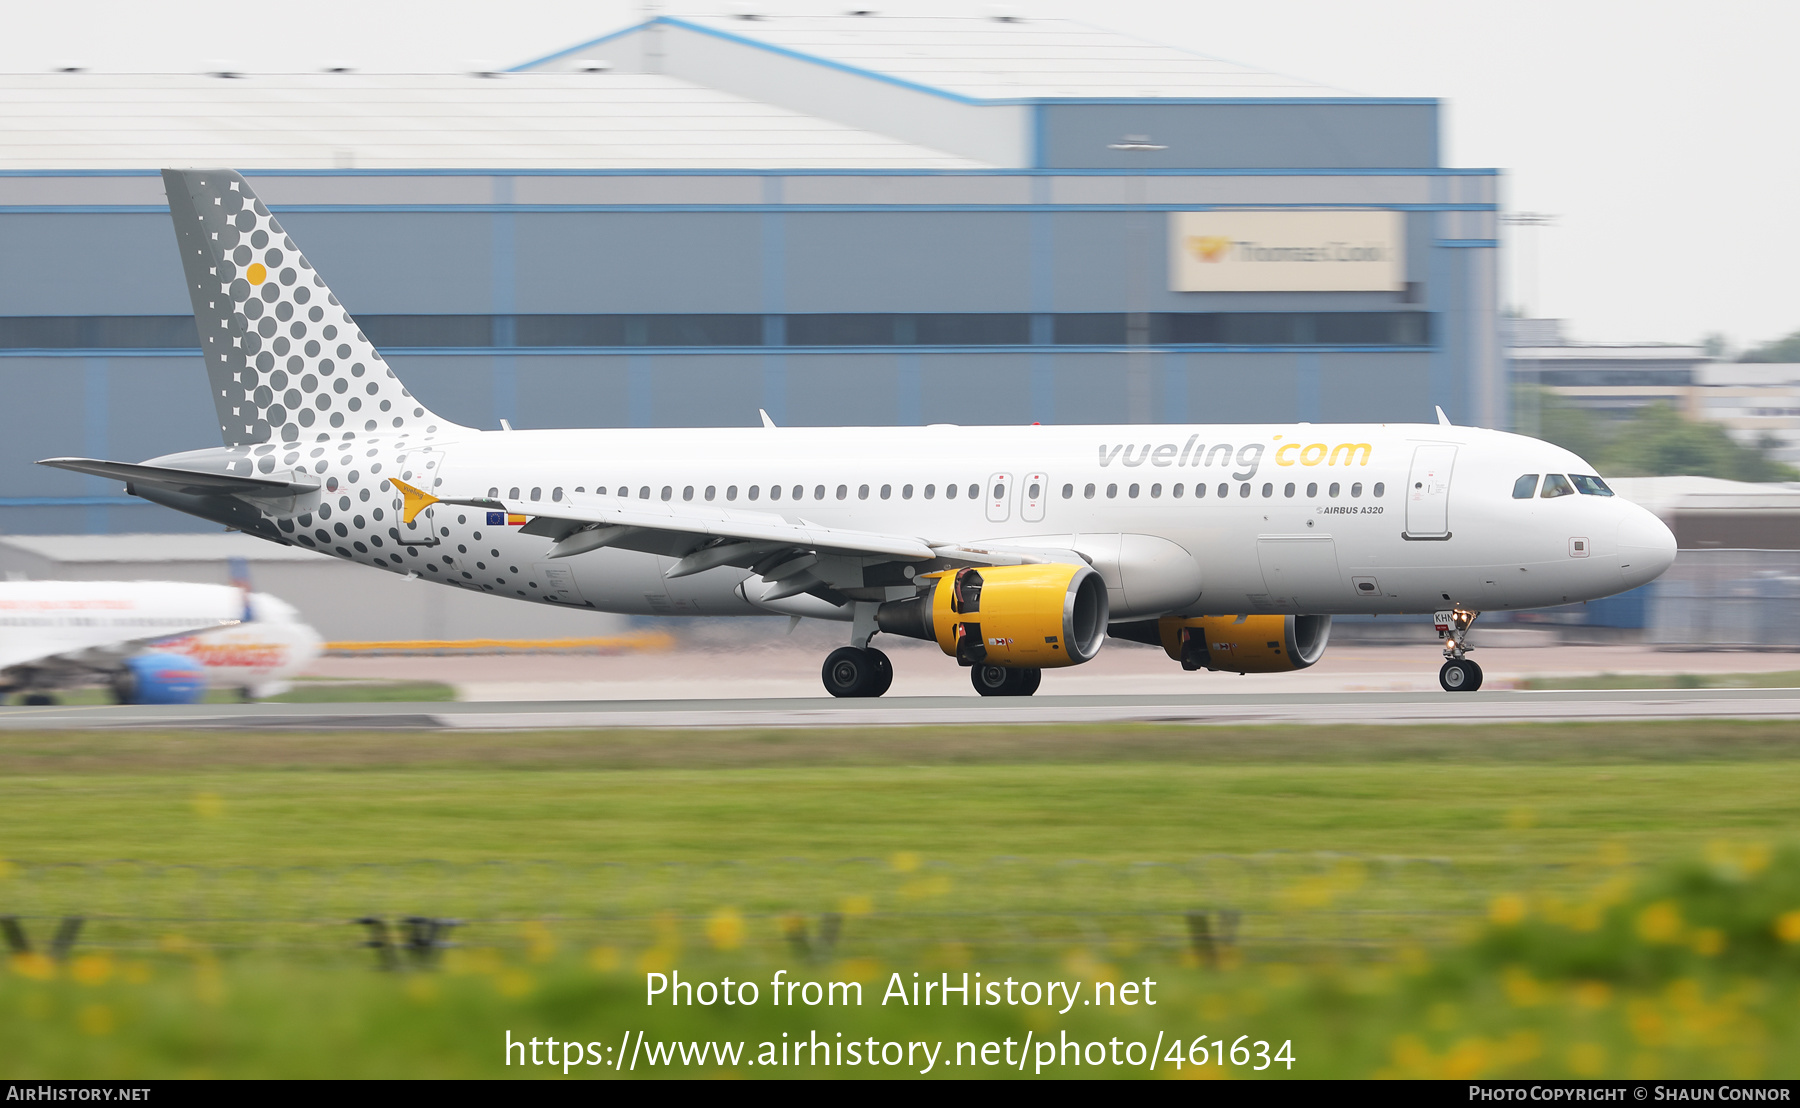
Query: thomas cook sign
[1304,251]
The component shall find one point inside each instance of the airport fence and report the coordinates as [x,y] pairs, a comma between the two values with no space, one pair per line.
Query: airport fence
[1208,908]
[1746,599]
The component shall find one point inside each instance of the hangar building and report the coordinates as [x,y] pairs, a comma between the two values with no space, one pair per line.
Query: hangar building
[852,219]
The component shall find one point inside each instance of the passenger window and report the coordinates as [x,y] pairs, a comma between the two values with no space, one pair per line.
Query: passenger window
[537,494]
[1034,491]
[818,492]
[1224,490]
[906,492]
[1112,492]
[666,493]
[1176,491]
[1555,485]
[799,492]
[1199,490]
[753,491]
[774,492]
[711,490]
[1332,491]
[1000,492]
[1155,491]
[1289,490]
[843,491]
[1380,488]
[949,492]
[1589,485]
[1244,490]
[687,493]
[1268,489]
[974,491]
[887,491]
[1068,491]
[1132,491]
[862,492]
[731,492]
[1356,489]
[930,491]
[1525,486]
[1088,491]
[514,495]
[494,493]
[644,493]
[556,495]
[1312,490]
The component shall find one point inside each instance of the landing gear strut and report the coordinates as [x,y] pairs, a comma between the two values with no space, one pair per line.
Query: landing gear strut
[1459,674]
[1004,681]
[850,671]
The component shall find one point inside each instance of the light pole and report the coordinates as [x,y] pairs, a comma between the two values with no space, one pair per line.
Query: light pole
[1137,315]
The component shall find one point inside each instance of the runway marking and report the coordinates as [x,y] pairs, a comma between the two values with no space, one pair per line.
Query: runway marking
[1396,708]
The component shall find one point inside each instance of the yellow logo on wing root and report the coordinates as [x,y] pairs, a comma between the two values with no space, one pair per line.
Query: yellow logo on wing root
[416,500]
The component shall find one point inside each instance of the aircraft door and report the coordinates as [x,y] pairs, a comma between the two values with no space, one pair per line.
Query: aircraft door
[999,489]
[1032,493]
[1428,493]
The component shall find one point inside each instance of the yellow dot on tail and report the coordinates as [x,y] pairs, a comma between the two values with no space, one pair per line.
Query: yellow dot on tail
[256,274]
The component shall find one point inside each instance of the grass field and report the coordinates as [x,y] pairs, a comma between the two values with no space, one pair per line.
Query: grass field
[306,690]
[1353,890]
[1784,680]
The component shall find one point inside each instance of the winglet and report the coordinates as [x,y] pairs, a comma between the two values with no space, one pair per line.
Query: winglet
[767,422]
[1443,420]
[416,500]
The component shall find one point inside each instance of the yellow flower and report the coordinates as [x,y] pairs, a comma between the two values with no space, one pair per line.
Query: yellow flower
[1507,910]
[1787,927]
[1587,1059]
[1660,923]
[1708,942]
[905,861]
[725,930]
[92,969]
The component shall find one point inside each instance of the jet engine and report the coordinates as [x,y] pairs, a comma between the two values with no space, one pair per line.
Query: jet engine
[1234,644]
[1020,617]
[160,679]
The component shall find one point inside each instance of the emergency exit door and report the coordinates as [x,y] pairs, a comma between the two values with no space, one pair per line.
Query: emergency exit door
[1428,493]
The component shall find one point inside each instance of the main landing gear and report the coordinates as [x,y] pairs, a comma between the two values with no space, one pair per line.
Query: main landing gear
[1459,674]
[853,671]
[1002,681]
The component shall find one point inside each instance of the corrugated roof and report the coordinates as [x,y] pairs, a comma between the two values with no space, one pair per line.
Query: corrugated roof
[439,121]
[993,59]
[203,547]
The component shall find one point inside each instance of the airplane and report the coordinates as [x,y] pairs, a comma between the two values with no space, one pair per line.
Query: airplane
[1014,549]
[150,642]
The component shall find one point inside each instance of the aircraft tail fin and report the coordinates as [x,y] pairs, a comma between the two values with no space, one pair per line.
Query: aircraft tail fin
[285,360]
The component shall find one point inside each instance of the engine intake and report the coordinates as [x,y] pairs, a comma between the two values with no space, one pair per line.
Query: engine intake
[1022,617]
[1234,644]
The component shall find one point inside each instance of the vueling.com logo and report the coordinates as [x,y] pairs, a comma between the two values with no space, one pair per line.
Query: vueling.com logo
[1247,458]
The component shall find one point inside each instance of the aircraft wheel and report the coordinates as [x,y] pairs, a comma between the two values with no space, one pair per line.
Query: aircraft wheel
[851,672]
[884,673]
[38,700]
[1004,681]
[1460,675]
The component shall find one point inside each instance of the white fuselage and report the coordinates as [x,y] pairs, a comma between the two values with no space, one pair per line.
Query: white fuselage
[1321,519]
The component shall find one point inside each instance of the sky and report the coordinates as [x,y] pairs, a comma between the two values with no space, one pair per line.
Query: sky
[1660,135]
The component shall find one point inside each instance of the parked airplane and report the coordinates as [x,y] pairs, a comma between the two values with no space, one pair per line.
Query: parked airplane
[151,642]
[1015,549]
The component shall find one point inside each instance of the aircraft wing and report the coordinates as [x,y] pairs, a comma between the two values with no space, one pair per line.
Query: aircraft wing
[191,481]
[795,556]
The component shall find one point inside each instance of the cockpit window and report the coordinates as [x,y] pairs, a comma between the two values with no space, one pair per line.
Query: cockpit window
[1555,484]
[1589,485]
[1525,486]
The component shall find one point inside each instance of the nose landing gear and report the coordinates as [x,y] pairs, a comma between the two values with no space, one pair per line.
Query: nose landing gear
[1459,674]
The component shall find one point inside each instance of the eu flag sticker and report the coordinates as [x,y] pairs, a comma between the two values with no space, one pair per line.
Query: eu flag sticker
[496,519]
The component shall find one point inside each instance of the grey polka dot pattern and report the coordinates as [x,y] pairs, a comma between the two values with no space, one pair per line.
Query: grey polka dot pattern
[285,360]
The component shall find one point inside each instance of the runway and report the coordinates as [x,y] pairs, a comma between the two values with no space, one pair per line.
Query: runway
[1375,707]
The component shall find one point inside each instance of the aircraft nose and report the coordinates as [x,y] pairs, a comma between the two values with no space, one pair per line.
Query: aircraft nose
[1646,546]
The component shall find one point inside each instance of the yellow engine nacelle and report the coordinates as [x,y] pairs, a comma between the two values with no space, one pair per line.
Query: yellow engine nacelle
[1022,617]
[1235,644]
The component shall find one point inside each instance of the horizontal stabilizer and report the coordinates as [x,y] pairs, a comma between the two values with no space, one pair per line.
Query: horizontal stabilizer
[190,481]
